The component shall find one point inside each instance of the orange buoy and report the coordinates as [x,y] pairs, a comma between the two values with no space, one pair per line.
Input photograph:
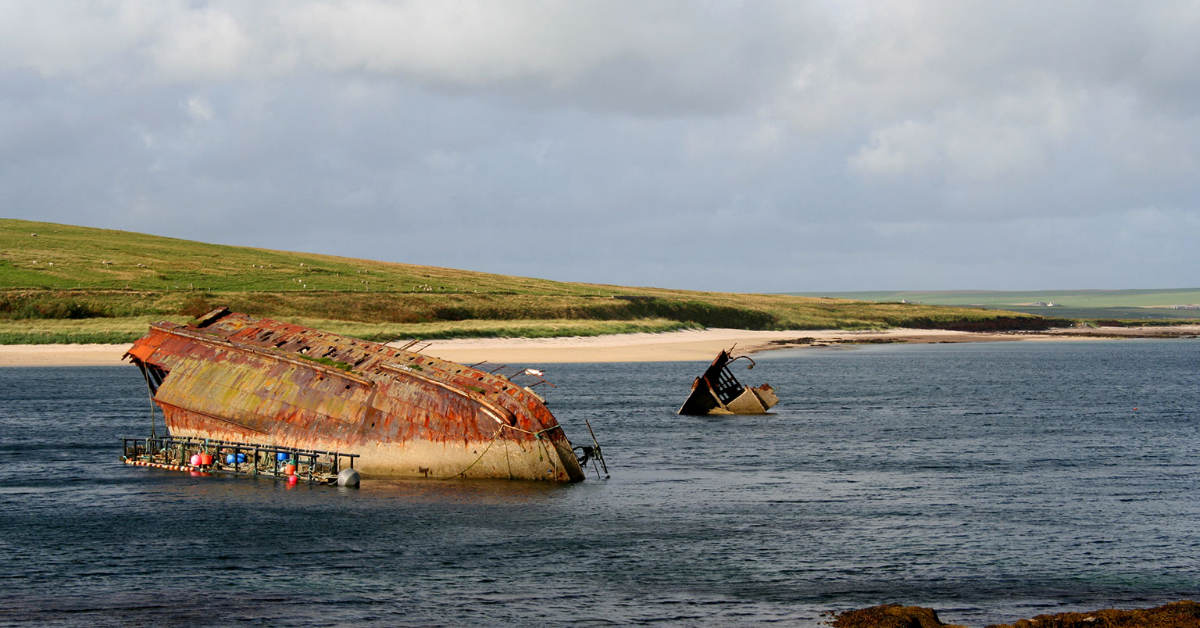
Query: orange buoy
[289,470]
[205,460]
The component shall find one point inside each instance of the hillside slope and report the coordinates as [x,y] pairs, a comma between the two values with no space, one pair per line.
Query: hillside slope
[61,283]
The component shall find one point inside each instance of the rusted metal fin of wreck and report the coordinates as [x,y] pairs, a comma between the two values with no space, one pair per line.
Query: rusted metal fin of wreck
[717,391]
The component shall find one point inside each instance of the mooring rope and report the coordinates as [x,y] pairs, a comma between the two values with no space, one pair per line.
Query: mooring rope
[485,450]
[537,434]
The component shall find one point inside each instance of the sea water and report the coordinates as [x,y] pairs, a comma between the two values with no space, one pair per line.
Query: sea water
[988,481]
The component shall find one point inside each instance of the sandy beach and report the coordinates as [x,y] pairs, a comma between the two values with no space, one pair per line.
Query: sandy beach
[679,346]
[699,345]
[704,344]
[62,355]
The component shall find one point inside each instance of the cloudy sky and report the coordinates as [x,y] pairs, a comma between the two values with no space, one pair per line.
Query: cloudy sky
[734,146]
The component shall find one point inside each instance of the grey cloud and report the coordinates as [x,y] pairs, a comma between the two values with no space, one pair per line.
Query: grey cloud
[757,146]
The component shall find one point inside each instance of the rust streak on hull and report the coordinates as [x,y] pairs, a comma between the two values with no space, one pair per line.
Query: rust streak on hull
[233,377]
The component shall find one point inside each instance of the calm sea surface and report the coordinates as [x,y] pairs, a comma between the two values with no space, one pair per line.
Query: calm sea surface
[989,481]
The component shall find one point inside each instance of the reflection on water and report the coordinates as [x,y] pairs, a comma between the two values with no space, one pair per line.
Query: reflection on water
[989,481]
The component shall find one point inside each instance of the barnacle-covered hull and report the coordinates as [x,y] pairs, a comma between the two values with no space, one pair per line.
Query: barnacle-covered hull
[236,378]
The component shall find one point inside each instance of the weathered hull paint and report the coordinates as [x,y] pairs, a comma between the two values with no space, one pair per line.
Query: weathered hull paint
[752,401]
[237,378]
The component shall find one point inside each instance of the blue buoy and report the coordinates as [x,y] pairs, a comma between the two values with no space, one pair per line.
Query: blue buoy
[229,458]
[241,458]
[281,456]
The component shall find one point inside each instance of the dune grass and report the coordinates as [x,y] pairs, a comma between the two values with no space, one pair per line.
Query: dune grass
[386,332]
[127,329]
[77,331]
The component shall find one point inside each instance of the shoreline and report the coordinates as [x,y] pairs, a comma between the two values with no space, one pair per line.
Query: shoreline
[675,346]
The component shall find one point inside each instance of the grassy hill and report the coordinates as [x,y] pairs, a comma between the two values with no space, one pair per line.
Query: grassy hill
[61,283]
[1129,305]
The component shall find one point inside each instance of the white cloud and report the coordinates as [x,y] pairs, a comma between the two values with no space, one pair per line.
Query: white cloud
[71,39]
[625,55]
[203,43]
[1008,135]
[199,109]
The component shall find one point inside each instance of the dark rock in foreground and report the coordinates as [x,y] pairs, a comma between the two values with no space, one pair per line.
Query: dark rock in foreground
[1184,614]
[890,616]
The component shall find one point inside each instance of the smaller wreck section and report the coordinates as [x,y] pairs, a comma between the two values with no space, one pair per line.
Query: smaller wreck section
[717,391]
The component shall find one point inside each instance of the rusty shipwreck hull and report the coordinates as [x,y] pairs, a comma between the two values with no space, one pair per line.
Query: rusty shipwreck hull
[232,377]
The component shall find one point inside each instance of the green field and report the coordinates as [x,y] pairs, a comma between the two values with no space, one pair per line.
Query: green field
[61,283]
[1129,305]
